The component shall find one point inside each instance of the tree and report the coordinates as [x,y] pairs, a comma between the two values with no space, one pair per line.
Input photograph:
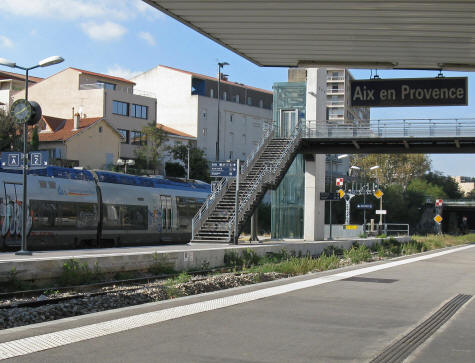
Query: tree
[394,168]
[174,169]
[448,184]
[10,133]
[148,154]
[35,140]
[199,168]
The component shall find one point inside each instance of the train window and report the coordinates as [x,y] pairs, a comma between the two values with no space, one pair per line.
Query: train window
[87,216]
[67,215]
[125,217]
[44,213]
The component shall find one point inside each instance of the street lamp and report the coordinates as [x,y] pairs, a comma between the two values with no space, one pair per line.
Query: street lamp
[42,63]
[122,162]
[364,192]
[333,159]
[220,66]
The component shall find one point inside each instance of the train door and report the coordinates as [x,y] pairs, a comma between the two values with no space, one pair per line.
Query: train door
[11,212]
[166,208]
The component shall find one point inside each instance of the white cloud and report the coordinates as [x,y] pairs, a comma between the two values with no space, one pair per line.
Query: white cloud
[75,9]
[5,42]
[119,71]
[147,37]
[103,32]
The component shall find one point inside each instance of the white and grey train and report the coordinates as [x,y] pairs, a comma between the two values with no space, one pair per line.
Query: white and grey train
[70,208]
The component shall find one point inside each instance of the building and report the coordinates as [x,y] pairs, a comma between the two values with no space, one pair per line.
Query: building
[466,184]
[173,137]
[188,102]
[95,95]
[296,212]
[11,83]
[89,142]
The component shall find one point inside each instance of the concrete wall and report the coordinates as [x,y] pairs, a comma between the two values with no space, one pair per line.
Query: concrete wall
[40,270]
[176,107]
[91,147]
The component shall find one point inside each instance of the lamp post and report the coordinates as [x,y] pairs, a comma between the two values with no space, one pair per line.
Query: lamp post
[43,63]
[332,160]
[365,190]
[220,65]
[123,162]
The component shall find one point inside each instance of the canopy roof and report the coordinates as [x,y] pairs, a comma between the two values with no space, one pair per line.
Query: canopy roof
[410,34]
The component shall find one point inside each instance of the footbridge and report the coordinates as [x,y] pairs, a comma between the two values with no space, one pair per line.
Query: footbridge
[267,165]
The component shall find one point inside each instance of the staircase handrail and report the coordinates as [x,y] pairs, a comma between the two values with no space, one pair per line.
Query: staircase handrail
[203,212]
[250,191]
[265,170]
[268,133]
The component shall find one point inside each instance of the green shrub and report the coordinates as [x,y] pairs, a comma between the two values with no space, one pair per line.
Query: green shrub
[233,259]
[160,265]
[358,254]
[250,258]
[332,250]
[75,273]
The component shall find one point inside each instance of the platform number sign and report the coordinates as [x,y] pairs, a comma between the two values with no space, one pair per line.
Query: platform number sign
[438,202]
[339,182]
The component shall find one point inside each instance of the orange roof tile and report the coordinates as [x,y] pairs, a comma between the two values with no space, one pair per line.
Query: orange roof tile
[216,79]
[103,75]
[18,76]
[172,131]
[64,130]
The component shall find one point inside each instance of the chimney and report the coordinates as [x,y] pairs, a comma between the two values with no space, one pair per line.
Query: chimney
[76,120]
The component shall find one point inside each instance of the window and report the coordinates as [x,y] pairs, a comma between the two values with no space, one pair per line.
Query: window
[243,138]
[120,108]
[205,131]
[225,96]
[100,129]
[106,85]
[137,138]
[125,216]
[231,118]
[249,101]
[211,93]
[236,98]
[125,136]
[261,103]
[139,111]
[334,74]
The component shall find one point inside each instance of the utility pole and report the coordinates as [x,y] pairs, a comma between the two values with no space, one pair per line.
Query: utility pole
[220,65]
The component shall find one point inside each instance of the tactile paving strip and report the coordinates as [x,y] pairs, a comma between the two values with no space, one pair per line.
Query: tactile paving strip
[60,338]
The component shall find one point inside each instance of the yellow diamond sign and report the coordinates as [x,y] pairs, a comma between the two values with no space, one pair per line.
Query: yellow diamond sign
[378,193]
[438,218]
[341,193]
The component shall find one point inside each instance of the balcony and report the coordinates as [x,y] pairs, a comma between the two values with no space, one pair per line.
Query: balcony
[335,78]
[336,103]
[332,91]
[128,90]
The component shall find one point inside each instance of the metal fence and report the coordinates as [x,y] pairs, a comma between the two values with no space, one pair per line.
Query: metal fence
[391,128]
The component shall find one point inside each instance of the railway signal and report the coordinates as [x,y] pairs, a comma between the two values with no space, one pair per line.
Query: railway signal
[339,182]
[438,202]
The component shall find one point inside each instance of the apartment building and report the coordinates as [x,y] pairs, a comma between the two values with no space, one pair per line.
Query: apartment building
[11,83]
[466,184]
[91,94]
[188,101]
[338,109]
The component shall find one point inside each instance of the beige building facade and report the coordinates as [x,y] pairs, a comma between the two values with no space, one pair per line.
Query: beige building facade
[10,84]
[466,184]
[97,95]
[90,142]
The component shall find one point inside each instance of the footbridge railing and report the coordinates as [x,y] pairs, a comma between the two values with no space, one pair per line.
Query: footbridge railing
[391,128]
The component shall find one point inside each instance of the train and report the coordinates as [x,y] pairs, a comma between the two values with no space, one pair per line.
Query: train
[80,208]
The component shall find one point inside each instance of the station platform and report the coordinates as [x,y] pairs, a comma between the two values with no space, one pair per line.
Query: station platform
[44,266]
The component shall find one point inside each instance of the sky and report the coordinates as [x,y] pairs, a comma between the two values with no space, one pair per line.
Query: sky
[127,37]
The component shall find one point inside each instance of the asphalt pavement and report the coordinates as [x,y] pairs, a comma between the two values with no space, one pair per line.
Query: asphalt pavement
[327,318]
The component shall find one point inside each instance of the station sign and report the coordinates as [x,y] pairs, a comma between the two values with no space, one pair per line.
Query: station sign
[223,169]
[14,160]
[381,211]
[329,196]
[364,206]
[443,91]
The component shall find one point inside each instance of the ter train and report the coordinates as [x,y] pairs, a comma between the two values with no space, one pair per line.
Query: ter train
[70,208]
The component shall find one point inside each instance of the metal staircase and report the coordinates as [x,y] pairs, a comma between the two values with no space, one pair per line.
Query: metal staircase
[263,170]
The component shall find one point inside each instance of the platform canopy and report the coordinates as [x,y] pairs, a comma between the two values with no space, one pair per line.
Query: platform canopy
[410,34]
